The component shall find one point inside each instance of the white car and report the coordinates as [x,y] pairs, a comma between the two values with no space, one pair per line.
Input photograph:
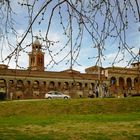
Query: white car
[56,95]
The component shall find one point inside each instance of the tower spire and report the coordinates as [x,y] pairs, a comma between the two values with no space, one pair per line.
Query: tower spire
[36,56]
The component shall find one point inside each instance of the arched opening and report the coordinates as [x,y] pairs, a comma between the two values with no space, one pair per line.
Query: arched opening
[2,83]
[43,86]
[51,85]
[44,83]
[136,84]
[86,85]
[121,83]
[19,84]
[113,81]
[66,86]
[113,87]
[11,83]
[92,86]
[79,86]
[129,83]
[36,84]
[2,89]
[59,85]
[28,84]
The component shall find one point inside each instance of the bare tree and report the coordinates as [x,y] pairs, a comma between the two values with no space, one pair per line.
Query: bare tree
[99,19]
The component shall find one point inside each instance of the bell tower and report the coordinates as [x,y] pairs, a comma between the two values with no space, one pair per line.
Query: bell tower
[36,57]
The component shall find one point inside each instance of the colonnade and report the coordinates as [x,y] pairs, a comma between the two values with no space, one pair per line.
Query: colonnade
[129,85]
[20,88]
[32,88]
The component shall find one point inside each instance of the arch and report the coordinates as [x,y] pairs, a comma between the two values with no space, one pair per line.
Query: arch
[92,86]
[121,82]
[43,86]
[51,85]
[129,83]
[44,83]
[28,83]
[36,84]
[66,85]
[136,80]
[59,85]
[2,89]
[19,83]
[113,81]
[136,83]
[86,85]
[11,86]
[3,86]
[11,82]
[79,86]
[2,83]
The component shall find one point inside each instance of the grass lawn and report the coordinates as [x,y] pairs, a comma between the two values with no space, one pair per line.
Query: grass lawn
[75,119]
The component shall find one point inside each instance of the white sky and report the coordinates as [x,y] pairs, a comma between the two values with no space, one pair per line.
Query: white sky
[87,50]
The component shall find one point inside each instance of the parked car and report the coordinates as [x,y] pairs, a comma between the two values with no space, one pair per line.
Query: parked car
[56,95]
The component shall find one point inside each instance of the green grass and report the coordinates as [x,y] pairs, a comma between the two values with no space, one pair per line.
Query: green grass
[75,119]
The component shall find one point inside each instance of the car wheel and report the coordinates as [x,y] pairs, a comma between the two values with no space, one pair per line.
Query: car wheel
[65,97]
[49,98]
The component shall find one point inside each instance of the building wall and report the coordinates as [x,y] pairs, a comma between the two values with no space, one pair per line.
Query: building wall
[35,82]
[124,81]
[23,84]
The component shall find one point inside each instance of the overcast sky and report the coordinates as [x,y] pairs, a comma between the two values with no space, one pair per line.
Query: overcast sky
[87,50]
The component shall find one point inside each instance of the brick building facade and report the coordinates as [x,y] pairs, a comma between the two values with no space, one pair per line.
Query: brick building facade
[35,82]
